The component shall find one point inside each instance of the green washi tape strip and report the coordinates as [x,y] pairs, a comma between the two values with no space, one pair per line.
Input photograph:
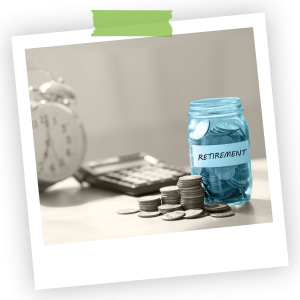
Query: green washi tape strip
[132,22]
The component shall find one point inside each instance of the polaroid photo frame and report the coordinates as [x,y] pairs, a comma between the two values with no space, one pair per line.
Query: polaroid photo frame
[117,260]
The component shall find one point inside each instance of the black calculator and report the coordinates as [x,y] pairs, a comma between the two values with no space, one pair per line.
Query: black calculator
[134,174]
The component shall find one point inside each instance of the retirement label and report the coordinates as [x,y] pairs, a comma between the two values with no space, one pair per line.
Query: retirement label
[221,155]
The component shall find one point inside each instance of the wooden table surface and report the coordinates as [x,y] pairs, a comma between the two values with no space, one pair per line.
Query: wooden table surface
[73,214]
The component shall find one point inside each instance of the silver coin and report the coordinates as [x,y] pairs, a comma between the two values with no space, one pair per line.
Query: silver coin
[169,188]
[236,137]
[169,206]
[192,213]
[172,203]
[190,177]
[149,198]
[175,215]
[192,193]
[222,140]
[204,214]
[187,188]
[227,126]
[217,133]
[218,206]
[225,173]
[206,140]
[200,130]
[172,199]
[150,204]
[192,200]
[171,194]
[146,214]
[187,207]
[222,214]
[127,211]
[241,130]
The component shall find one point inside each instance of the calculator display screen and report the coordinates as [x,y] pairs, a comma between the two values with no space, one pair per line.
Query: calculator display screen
[101,169]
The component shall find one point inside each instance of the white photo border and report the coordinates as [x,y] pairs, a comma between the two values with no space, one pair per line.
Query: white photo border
[116,260]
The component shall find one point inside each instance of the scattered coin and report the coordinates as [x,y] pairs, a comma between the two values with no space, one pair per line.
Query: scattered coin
[222,214]
[192,213]
[175,215]
[146,214]
[204,214]
[216,207]
[128,211]
[226,210]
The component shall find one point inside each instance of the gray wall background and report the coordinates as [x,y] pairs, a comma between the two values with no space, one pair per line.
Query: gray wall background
[133,95]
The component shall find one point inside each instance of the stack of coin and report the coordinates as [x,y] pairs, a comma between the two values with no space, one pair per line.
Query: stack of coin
[166,208]
[170,195]
[192,192]
[149,203]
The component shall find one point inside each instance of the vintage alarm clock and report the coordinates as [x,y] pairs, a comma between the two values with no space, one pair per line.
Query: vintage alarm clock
[59,136]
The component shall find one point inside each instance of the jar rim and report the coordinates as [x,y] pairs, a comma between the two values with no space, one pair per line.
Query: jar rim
[215,106]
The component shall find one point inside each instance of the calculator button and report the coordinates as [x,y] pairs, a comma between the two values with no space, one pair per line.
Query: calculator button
[107,179]
[115,176]
[126,172]
[141,176]
[150,173]
[128,179]
[166,176]
[145,168]
[159,170]
[126,184]
[160,164]
[154,179]
[141,183]
[135,174]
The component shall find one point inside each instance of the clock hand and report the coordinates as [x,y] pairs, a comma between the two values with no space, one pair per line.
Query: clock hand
[47,150]
[50,142]
[46,153]
[54,152]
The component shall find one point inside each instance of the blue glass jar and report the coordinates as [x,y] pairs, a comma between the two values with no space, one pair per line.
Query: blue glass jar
[219,149]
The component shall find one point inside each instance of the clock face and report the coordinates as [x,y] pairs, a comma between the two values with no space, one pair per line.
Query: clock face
[59,142]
